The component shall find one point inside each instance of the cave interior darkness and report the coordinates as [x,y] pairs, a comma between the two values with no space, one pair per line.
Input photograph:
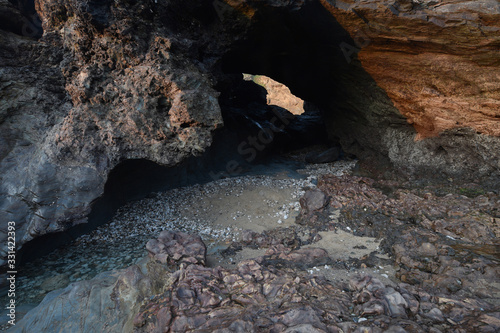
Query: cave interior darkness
[282,45]
[29,25]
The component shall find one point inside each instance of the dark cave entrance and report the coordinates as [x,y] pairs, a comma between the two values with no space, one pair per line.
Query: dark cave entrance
[301,49]
[255,140]
[28,24]
[284,46]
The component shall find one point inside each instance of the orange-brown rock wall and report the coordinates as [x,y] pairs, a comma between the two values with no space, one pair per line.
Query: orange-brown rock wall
[439,61]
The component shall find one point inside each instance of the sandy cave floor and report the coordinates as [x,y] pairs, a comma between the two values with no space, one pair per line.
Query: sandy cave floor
[441,238]
[218,211]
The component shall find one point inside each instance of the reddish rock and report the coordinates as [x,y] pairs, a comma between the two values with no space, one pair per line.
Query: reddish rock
[177,247]
[313,200]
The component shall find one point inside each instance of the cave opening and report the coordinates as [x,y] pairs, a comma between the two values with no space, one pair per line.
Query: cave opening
[310,52]
[25,22]
[300,49]
[335,108]
[257,139]
[280,46]
[258,134]
[306,51]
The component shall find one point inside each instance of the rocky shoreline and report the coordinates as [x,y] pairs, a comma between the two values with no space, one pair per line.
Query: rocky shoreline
[121,242]
[104,102]
[365,255]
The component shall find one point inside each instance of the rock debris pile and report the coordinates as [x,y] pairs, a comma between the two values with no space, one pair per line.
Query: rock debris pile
[172,247]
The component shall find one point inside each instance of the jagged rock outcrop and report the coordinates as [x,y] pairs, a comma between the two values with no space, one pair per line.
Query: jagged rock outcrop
[413,83]
[98,88]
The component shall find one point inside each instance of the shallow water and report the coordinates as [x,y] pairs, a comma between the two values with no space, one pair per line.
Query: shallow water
[121,242]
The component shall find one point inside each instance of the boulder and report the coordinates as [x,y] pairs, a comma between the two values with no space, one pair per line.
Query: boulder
[104,304]
[177,247]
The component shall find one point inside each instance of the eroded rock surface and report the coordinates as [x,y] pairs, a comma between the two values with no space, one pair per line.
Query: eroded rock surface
[276,292]
[98,88]
[437,62]
[440,238]
[103,304]
[171,247]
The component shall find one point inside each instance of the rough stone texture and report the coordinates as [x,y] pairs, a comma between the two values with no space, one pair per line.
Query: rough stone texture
[10,17]
[437,61]
[447,244]
[108,302]
[98,88]
[104,304]
[110,81]
[255,296]
[311,213]
[261,294]
[177,247]
[313,200]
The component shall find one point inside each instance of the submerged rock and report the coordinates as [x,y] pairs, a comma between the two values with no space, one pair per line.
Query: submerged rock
[55,282]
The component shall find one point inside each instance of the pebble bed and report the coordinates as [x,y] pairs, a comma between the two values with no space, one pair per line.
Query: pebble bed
[121,242]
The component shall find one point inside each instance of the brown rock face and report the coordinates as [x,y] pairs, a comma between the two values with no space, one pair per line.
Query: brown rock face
[438,62]
[177,247]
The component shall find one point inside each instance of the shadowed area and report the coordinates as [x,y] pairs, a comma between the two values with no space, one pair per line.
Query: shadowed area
[304,50]
[24,21]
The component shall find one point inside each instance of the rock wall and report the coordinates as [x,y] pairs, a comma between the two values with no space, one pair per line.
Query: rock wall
[438,63]
[107,82]
[412,83]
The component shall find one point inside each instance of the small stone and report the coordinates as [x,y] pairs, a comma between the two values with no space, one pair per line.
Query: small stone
[427,249]
[435,315]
